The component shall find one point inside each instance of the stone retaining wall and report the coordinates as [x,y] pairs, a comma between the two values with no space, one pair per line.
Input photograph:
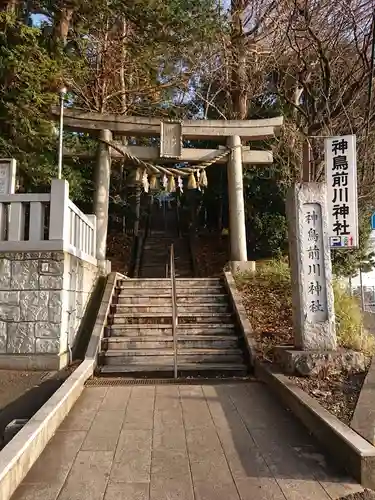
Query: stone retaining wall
[43,296]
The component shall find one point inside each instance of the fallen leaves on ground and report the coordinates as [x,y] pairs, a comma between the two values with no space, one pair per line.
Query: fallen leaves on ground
[211,254]
[361,495]
[269,309]
[270,314]
[119,247]
[337,393]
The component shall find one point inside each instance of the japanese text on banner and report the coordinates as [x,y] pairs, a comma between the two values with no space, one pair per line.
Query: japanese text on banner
[341,176]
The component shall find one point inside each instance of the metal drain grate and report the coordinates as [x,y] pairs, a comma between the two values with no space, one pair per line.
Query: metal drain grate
[112,381]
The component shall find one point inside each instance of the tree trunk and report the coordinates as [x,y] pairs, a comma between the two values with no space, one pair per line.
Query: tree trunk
[239,78]
[9,5]
[63,18]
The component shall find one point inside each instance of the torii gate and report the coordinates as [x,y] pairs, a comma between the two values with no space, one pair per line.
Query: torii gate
[171,135]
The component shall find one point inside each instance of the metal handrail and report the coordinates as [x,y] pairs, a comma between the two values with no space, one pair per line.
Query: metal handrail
[174,309]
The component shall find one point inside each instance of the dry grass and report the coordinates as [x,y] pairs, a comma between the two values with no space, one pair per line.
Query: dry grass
[349,323]
[267,298]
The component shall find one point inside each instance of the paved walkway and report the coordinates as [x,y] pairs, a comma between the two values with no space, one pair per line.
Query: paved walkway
[14,383]
[223,442]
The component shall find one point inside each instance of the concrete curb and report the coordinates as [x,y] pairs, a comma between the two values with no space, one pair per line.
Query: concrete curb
[353,452]
[363,420]
[17,458]
[20,454]
[239,309]
[98,331]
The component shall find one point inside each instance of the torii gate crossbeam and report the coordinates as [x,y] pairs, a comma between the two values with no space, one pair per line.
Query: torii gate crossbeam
[171,136]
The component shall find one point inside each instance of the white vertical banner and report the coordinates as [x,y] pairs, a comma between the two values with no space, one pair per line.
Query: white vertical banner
[342,196]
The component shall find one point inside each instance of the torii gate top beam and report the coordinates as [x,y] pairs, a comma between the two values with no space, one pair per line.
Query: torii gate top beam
[190,129]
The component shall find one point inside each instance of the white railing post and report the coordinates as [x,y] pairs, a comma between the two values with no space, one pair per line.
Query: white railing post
[2,221]
[36,229]
[16,222]
[92,236]
[59,224]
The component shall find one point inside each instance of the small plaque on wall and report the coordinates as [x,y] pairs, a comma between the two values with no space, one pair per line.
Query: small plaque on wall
[171,140]
[7,175]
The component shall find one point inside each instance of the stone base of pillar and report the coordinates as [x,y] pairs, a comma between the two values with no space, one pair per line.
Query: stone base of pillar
[242,266]
[314,363]
[104,267]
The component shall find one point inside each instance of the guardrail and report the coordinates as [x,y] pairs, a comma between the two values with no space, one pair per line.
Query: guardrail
[174,311]
[46,222]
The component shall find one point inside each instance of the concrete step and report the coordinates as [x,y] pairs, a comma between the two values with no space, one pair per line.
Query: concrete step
[144,319]
[160,356]
[183,309]
[199,290]
[180,282]
[126,309]
[204,317]
[203,307]
[154,317]
[135,331]
[166,342]
[198,282]
[220,298]
[131,330]
[143,283]
[166,289]
[206,329]
[152,299]
[160,291]
[225,369]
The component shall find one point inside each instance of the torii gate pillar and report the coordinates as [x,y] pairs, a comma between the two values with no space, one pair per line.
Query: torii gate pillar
[101,194]
[237,227]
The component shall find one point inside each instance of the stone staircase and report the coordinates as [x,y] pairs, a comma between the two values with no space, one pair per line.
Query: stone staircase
[156,253]
[139,340]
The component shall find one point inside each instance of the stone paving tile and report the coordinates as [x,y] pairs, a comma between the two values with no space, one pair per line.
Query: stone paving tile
[56,460]
[168,417]
[195,409]
[215,490]
[294,476]
[224,442]
[116,398]
[132,461]
[202,441]
[172,438]
[167,464]
[167,398]
[105,431]
[259,488]
[91,397]
[140,409]
[83,412]
[38,491]
[335,483]
[171,489]
[79,420]
[208,469]
[88,477]
[127,491]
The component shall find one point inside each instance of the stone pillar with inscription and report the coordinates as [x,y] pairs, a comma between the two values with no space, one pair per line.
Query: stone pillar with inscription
[315,344]
[311,270]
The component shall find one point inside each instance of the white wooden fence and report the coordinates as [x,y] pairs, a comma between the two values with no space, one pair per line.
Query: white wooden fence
[46,222]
